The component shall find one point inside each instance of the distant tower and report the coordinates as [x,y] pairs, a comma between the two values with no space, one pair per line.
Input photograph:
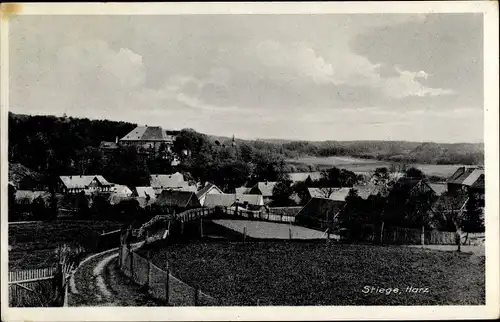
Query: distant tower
[233,143]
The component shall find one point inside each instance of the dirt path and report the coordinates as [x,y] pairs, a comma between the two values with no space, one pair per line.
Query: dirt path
[98,282]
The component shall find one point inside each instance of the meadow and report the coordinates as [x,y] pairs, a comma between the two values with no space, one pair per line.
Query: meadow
[322,273]
[363,166]
[33,244]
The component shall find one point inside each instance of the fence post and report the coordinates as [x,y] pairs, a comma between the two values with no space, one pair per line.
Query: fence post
[196,296]
[182,227]
[131,254]
[201,227]
[148,280]
[290,232]
[244,233]
[167,287]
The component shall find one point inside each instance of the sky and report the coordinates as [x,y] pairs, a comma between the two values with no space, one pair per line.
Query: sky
[314,77]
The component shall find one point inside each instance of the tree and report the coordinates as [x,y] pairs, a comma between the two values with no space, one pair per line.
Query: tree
[474,217]
[414,173]
[451,209]
[282,192]
[13,211]
[39,209]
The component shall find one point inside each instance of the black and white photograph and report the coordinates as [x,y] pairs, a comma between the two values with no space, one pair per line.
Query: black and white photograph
[306,159]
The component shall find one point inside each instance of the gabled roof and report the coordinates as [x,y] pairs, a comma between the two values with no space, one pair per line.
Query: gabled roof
[439,188]
[265,188]
[302,176]
[338,194]
[321,207]
[122,190]
[462,174]
[473,177]
[365,191]
[254,200]
[220,200]
[165,181]
[29,196]
[145,191]
[146,133]
[108,145]
[177,198]
[82,181]
[479,183]
[203,191]
[242,190]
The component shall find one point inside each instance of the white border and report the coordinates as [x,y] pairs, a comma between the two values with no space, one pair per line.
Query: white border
[491,85]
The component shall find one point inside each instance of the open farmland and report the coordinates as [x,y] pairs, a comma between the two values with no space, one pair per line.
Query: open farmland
[359,165]
[263,229]
[33,245]
[320,273]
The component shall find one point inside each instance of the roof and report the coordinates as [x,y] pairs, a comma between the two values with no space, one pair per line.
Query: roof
[321,207]
[145,191]
[175,180]
[81,181]
[18,172]
[242,190]
[265,188]
[338,194]
[302,176]
[108,145]
[122,190]
[203,191]
[473,177]
[29,196]
[146,133]
[462,174]
[255,200]
[365,191]
[439,188]
[221,200]
[450,202]
[177,198]
[479,183]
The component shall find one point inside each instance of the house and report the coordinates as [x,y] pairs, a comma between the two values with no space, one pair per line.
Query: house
[174,181]
[338,194]
[149,138]
[367,190]
[230,199]
[320,213]
[209,188]
[24,178]
[144,192]
[121,190]
[242,190]
[83,183]
[439,188]
[265,189]
[178,200]
[465,179]
[303,176]
[108,146]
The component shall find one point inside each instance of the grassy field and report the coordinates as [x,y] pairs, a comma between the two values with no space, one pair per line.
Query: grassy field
[312,273]
[33,245]
[366,165]
[262,229]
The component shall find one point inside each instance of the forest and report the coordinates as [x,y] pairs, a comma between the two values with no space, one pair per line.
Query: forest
[55,146]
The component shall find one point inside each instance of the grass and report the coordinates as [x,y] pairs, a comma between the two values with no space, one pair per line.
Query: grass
[312,273]
[366,165]
[32,245]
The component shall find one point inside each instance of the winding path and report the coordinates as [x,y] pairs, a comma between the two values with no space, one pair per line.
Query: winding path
[99,282]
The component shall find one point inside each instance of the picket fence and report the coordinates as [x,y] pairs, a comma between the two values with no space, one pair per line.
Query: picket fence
[258,214]
[161,284]
[39,287]
[411,236]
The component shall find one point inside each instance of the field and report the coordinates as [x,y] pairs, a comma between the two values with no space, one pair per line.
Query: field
[359,165]
[262,229]
[33,245]
[320,273]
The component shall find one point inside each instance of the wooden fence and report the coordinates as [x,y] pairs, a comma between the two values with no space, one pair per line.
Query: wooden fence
[411,236]
[161,284]
[42,287]
[258,214]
